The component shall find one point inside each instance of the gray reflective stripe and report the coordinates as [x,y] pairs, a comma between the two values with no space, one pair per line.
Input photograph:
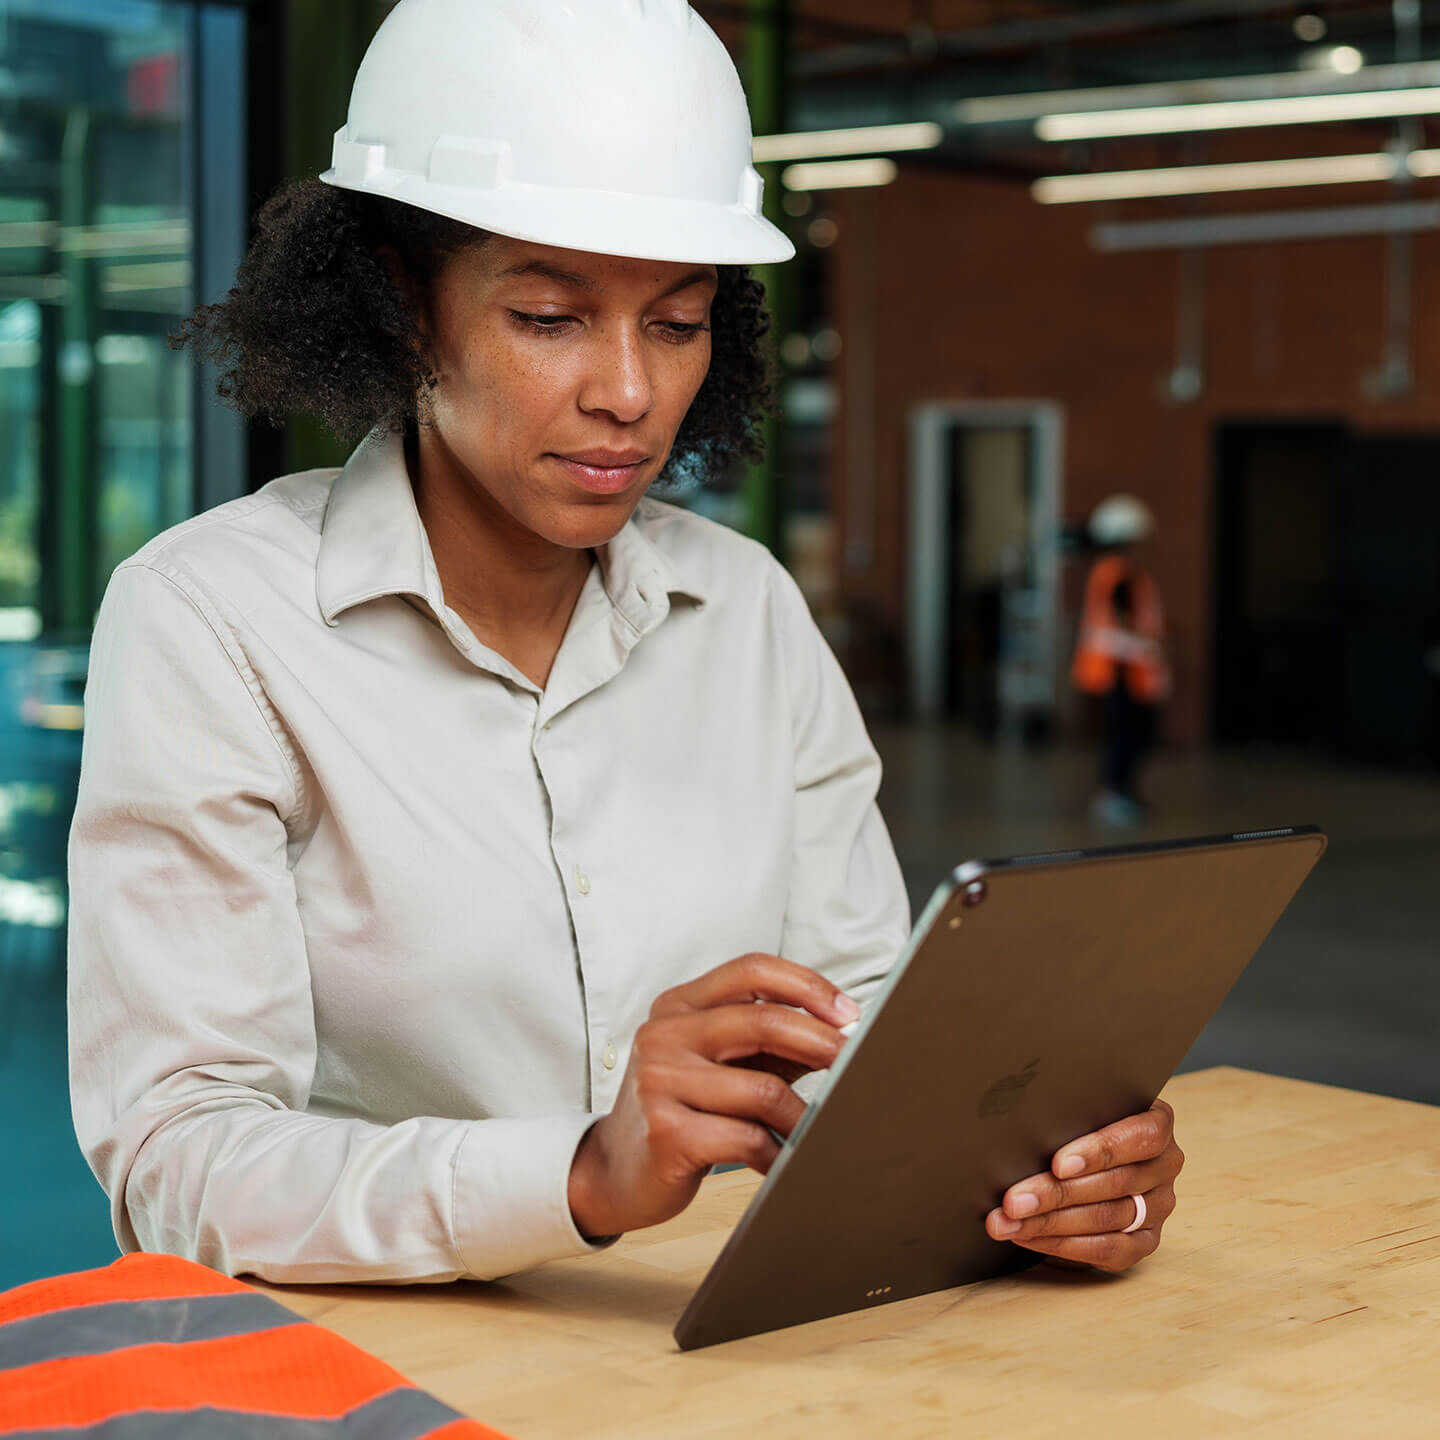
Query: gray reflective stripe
[100,1329]
[400,1415]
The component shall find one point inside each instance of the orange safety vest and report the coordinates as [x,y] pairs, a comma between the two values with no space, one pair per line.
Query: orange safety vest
[1106,646]
[161,1347]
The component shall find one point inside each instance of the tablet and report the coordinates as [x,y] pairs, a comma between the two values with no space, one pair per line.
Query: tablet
[1038,999]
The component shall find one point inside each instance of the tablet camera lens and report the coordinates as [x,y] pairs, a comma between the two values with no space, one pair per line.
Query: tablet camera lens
[975,892]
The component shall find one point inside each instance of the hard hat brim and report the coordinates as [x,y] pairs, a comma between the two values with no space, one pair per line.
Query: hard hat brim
[600,222]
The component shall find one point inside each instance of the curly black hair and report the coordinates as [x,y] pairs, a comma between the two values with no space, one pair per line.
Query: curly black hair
[317,324]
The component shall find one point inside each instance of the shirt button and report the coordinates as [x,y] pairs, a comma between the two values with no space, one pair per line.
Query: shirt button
[610,1058]
[582,881]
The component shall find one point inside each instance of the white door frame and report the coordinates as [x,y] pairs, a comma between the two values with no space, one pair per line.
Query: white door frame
[928,578]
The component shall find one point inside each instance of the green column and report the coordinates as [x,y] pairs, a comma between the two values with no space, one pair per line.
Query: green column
[767,45]
[79,481]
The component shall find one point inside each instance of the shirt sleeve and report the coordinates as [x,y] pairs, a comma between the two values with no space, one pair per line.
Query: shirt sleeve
[192,1030]
[847,914]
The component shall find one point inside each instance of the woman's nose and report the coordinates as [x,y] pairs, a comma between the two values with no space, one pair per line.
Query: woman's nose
[619,381]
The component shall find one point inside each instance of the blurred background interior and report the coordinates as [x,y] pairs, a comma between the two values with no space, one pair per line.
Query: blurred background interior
[1183,249]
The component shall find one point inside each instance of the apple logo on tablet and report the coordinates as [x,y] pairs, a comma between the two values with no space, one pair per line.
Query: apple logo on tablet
[1008,1091]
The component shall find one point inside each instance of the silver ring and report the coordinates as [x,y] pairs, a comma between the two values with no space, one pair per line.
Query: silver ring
[1139,1219]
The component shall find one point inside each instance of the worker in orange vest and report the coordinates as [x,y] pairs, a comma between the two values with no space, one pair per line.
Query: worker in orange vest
[1120,656]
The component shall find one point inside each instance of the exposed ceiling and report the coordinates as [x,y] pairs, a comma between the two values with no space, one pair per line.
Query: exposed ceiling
[860,62]
[1116,39]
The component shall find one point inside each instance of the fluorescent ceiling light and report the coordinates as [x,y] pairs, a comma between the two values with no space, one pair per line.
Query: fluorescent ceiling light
[1013,109]
[1239,114]
[863,140]
[1423,163]
[1212,179]
[839,174]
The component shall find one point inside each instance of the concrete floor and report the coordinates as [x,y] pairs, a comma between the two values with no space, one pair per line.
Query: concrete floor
[1346,990]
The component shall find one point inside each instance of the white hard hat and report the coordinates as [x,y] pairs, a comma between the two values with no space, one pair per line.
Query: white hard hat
[613,126]
[1121,520]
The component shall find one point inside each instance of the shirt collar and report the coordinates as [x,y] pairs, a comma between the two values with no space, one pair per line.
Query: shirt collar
[373,543]
[638,576]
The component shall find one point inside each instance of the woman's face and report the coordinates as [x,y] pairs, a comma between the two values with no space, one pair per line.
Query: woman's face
[562,378]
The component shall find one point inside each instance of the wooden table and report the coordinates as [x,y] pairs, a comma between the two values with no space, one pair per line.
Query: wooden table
[1297,1294]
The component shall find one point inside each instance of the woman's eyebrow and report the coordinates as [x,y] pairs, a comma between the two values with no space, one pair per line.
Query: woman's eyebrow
[550,272]
[695,277]
[573,278]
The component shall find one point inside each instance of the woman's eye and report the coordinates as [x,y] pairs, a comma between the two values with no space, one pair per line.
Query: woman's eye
[541,324]
[674,331]
[680,333]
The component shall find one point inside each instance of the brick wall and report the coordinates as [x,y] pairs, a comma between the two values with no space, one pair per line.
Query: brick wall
[948,287]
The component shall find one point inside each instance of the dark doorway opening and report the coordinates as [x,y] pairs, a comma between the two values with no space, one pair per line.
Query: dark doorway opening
[1328,592]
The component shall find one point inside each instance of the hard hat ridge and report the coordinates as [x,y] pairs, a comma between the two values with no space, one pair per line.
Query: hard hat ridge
[614,126]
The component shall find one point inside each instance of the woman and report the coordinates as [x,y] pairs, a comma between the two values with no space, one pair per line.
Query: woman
[408,789]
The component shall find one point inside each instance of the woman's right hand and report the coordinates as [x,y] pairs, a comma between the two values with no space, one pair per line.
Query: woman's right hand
[706,1085]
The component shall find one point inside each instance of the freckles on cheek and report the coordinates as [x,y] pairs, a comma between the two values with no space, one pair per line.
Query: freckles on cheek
[476,382]
[501,402]
[687,390]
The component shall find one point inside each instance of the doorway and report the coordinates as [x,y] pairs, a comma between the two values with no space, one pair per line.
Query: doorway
[1328,592]
[984,565]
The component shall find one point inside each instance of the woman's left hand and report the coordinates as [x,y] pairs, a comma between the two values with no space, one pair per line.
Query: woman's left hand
[1079,1210]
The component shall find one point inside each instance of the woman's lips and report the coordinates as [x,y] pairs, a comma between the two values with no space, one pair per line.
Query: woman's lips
[601,479]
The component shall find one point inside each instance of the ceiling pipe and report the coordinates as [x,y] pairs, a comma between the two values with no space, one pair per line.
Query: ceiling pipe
[1089,24]
[1271,227]
[1396,373]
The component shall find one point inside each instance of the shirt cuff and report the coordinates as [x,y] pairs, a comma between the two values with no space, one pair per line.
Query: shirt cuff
[511,1206]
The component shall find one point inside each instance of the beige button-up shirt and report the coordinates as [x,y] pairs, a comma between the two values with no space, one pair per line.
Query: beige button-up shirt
[363,921]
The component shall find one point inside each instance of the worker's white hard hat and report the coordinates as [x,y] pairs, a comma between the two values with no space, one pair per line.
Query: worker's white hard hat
[612,126]
[1121,520]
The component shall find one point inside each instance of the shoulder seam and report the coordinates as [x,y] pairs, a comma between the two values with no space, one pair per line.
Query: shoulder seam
[241,665]
[206,519]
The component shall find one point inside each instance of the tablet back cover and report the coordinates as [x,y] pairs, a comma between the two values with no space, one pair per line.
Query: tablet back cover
[1060,1002]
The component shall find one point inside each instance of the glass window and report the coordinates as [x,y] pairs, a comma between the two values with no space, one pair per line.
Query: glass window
[99,447]
[95,269]
[19,458]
